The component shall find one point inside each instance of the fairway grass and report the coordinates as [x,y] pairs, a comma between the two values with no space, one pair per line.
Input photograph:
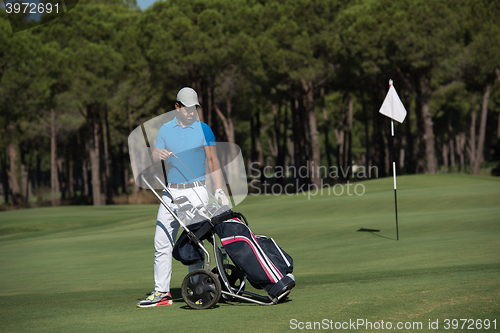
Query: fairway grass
[82,269]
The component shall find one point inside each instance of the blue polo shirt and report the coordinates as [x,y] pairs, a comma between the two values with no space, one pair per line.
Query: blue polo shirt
[187,144]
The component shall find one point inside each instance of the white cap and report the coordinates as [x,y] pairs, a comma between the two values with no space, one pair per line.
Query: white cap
[188,97]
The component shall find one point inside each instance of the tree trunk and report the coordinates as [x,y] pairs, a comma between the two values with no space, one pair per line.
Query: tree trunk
[430,152]
[280,143]
[291,151]
[298,134]
[350,117]
[326,127]
[25,168]
[379,146]
[482,130]
[344,136]
[25,185]
[17,198]
[227,121]
[71,180]
[402,153]
[274,143]
[253,149]
[258,147]
[497,72]
[451,140]
[445,152]
[340,138]
[274,149]
[301,132]
[94,153]
[2,189]
[420,154]
[84,189]
[388,146]
[124,161]
[196,85]
[126,175]
[5,177]
[367,135]
[460,139]
[85,178]
[63,186]
[313,132]
[472,139]
[37,173]
[108,183]
[295,131]
[498,127]
[410,150]
[210,104]
[212,121]
[284,139]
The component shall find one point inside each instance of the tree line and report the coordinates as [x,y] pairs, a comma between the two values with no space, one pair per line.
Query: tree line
[294,83]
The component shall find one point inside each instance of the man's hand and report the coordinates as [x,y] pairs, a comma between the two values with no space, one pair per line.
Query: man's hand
[163,154]
[221,196]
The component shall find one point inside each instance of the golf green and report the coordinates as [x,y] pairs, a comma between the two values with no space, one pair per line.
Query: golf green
[82,269]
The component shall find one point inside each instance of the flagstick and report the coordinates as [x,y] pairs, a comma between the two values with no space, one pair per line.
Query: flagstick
[394,173]
[393,108]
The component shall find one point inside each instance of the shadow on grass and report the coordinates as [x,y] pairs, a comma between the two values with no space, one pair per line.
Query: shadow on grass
[176,294]
[177,297]
[373,232]
[187,307]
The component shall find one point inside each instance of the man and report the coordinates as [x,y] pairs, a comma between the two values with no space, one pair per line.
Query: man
[193,142]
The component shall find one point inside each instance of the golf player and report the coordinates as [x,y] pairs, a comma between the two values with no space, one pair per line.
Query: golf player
[193,142]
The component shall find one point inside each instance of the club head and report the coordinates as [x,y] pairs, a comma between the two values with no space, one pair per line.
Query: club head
[212,208]
[180,200]
[185,208]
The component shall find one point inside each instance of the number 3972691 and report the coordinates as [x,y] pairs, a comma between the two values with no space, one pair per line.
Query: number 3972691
[470,324]
[31,8]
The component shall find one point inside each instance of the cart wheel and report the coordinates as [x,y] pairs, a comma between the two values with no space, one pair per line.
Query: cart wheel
[234,276]
[201,289]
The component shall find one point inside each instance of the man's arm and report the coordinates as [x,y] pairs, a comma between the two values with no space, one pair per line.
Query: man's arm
[214,166]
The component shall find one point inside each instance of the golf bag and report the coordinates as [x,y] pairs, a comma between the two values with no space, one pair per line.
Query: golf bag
[266,265]
[185,250]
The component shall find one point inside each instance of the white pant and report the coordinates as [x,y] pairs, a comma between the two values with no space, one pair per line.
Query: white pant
[166,234]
